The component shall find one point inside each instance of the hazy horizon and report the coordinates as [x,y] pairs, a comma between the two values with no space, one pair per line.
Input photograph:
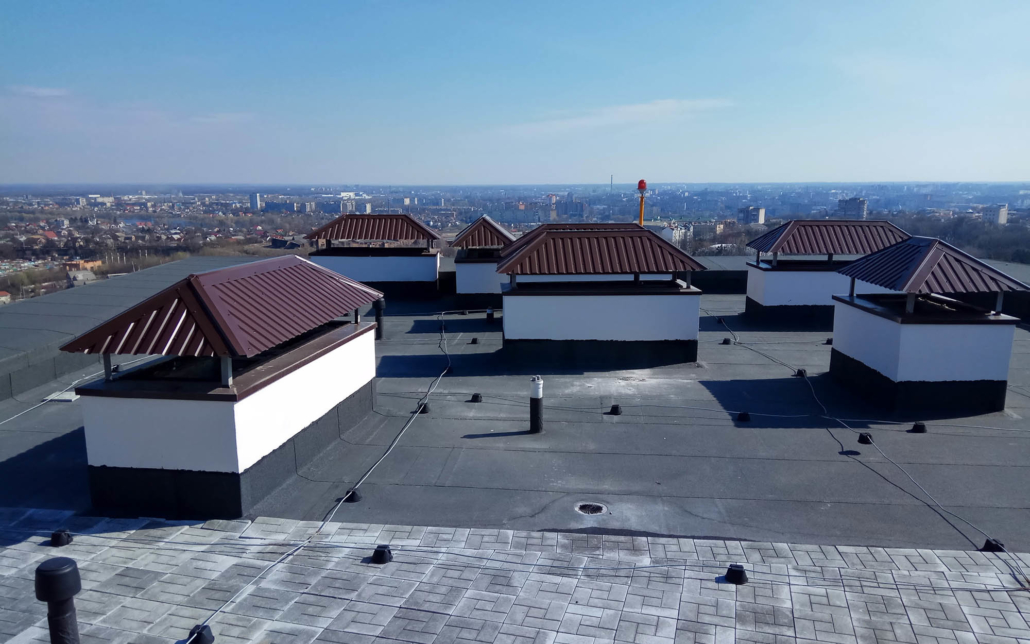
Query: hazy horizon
[466,94]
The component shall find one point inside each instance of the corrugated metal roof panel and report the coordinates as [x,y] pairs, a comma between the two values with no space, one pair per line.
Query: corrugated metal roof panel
[374,228]
[592,252]
[924,265]
[528,237]
[837,237]
[237,311]
[483,233]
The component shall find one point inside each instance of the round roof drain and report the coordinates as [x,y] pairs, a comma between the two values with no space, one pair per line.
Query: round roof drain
[590,508]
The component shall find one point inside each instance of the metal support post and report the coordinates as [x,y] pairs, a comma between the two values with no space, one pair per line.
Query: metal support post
[226,368]
[910,303]
[108,371]
[379,306]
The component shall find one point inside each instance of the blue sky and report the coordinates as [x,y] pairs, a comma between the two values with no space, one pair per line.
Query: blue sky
[519,92]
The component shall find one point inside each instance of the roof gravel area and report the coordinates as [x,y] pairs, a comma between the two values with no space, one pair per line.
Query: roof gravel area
[148,581]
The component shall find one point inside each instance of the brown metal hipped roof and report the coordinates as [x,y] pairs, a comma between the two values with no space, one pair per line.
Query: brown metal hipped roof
[528,238]
[837,237]
[369,228]
[231,312]
[924,265]
[592,252]
[483,233]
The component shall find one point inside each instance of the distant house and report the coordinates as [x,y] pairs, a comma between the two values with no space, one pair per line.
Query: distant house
[5,297]
[80,278]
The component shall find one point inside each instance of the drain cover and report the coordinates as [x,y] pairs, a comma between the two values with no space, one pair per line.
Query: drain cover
[590,508]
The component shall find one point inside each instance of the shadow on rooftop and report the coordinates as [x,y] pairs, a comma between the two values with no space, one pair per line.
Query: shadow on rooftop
[455,324]
[741,322]
[50,475]
[512,360]
[789,402]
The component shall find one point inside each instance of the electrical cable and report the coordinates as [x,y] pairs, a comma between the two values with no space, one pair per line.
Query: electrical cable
[804,376]
[51,398]
[422,403]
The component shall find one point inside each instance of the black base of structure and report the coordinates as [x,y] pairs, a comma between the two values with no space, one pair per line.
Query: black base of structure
[188,494]
[479,300]
[993,545]
[816,318]
[976,396]
[603,354]
[407,290]
[715,281]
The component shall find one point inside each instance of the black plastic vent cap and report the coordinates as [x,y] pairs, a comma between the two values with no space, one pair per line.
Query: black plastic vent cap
[201,634]
[57,579]
[736,575]
[382,554]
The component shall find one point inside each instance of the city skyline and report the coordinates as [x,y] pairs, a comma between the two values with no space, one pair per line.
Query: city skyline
[456,94]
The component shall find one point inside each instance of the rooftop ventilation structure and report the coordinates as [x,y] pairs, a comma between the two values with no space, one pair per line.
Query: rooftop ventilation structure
[571,284]
[800,290]
[396,254]
[254,360]
[475,265]
[919,347]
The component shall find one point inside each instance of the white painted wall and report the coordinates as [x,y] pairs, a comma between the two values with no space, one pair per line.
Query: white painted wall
[923,352]
[478,277]
[223,436]
[801,288]
[418,268]
[164,434]
[601,317]
[590,278]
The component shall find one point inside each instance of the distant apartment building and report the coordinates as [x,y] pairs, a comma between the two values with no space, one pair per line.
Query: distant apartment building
[707,229]
[998,214]
[853,208]
[333,207]
[750,215]
[365,208]
[281,206]
[307,207]
[255,202]
[672,232]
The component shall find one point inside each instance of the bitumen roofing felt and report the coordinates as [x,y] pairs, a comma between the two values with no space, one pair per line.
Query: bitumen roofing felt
[676,462]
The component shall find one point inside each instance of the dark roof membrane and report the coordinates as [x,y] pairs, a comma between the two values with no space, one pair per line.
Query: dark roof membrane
[837,237]
[483,233]
[369,228]
[925,265]
[230,312]
[592,252]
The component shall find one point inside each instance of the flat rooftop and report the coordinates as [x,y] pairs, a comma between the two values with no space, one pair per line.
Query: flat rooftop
[676,463]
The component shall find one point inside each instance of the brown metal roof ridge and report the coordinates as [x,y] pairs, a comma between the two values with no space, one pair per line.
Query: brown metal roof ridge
[593,252]
[230,312]
[825,237]
[924,265]
[528,237]
[245,384]
[374,228]
[483,233]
